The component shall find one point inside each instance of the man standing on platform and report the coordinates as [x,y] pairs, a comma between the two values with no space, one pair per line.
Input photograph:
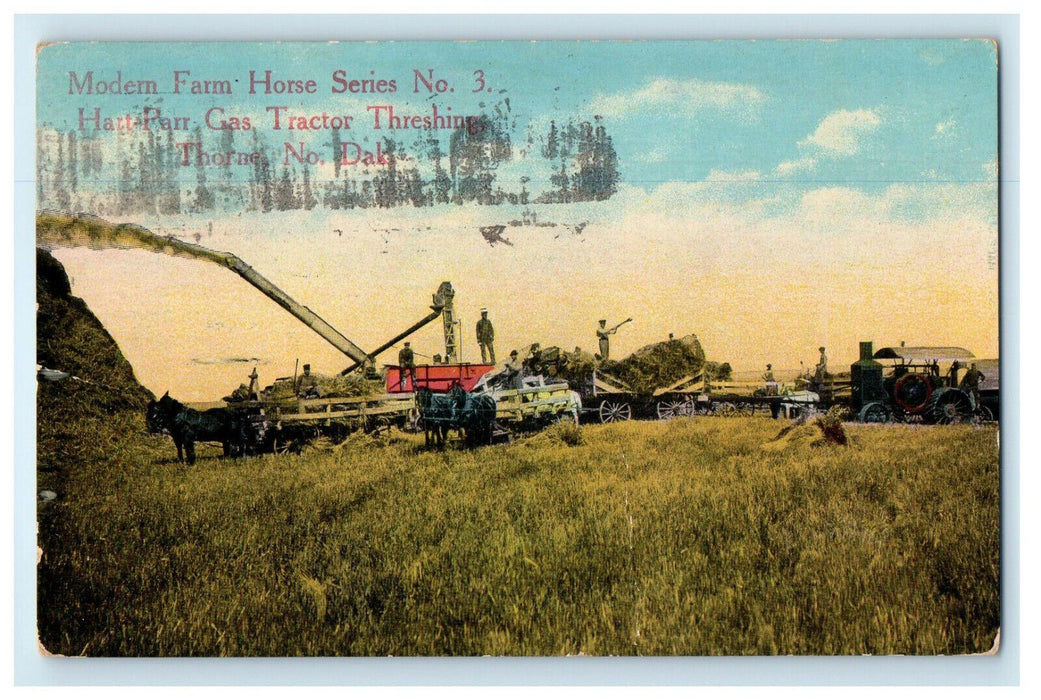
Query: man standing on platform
[407,363]
[486,338]
[603,334]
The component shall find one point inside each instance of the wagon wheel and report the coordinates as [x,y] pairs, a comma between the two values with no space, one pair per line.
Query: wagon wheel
[874,412]
[950,407]
[295,440]
[285,446]
[569,417]
[277,442]
[746,408]
[378,425]
[984,415]
[726,409]
[611,411]
[671,408]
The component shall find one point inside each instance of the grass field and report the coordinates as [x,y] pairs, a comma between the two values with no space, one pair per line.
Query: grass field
[644,538]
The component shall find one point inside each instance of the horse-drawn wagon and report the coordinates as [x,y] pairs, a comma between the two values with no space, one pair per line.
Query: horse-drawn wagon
[293,422]
[291,414]
[499,402]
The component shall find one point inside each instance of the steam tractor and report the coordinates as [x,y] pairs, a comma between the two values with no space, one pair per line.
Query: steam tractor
[931,385]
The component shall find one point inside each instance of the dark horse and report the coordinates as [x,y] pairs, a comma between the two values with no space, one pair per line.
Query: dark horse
[435,417]
[187,426]
[474,414]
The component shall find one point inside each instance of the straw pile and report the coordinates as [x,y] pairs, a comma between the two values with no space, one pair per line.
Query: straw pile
[322,386]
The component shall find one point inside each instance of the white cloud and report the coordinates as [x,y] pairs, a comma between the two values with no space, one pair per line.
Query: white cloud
[840,132]
[931,55]
[681,97]
[831,204]
[990,168]
[790,167]
[944,128]
[656,156]
[843,208]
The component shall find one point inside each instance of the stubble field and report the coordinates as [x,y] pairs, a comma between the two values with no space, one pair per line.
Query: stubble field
[644,538]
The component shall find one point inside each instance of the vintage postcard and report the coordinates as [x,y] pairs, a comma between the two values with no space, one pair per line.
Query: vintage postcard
[639,348]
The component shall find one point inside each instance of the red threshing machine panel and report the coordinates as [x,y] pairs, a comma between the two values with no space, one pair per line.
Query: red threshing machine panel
[437,378]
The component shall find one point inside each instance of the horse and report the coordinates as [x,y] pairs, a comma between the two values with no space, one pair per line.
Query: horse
[436,416]
[470,412]
[186,426]
[476,416]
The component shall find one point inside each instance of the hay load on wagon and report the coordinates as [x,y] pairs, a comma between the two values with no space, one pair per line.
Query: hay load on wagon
[648,369]
[617,389]
[320,386]
[659,365]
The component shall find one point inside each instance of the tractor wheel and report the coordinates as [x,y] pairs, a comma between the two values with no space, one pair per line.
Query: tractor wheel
[614,410]
[912,392]
[874,412]
[952,406]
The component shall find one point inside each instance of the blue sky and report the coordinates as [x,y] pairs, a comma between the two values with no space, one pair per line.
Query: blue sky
[781,114]
[778,180]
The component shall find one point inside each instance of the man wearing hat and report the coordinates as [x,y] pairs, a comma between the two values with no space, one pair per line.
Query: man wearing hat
[407,362]
[821,369]
[486,338]
[308,387]
[771,382]
[971,383]
[512,369]
[533,362]
[603,335]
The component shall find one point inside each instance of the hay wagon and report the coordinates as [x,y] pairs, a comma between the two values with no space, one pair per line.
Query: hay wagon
[743,395]
[534,402]
[607,399]
[288,420]
[604,397]
[289,423]
[499,403]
